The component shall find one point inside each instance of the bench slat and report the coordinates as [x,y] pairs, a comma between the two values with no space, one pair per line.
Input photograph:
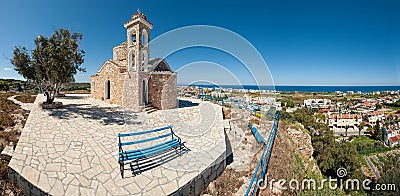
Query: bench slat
[150,147]
[131,157]
[146,140]
[142,154]
[144,132]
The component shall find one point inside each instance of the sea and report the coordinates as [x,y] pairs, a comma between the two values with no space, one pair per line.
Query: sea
[363,89]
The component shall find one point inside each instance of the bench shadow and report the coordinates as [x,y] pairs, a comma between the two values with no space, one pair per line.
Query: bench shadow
[107,115]
[150,162]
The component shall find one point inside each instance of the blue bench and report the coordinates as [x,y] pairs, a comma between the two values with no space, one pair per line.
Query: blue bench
[137,154]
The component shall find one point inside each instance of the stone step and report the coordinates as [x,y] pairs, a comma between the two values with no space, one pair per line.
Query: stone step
[149,108]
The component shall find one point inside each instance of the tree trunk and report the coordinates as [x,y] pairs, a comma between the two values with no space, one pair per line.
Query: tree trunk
[58,91]
[49,99]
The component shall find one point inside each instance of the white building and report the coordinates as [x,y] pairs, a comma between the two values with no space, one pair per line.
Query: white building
[318,103]
[374,116]
[339,122]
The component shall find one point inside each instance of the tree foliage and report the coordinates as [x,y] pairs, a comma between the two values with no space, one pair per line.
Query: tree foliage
[378,131]
[52,63]
[4,86]
[329,154]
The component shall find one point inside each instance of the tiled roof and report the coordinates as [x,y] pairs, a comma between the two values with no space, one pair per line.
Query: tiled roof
[344,116]
[395,138]
[125,43]
[119,63]
[159,64]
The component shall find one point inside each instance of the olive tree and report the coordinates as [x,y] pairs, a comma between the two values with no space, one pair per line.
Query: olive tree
[52,63]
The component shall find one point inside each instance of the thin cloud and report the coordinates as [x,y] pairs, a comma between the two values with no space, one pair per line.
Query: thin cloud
[7,69]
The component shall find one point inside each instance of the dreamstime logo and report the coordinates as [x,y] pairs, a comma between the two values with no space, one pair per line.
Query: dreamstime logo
[341,172]
[333,184]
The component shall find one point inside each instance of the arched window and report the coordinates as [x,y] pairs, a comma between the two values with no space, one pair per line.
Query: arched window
[145,37]
[132,38]
[131,60]
[107,89]
[145,92]
[144,60]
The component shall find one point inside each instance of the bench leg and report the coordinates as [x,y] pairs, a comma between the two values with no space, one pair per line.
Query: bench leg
[137,163]
[121,168]
[180,149]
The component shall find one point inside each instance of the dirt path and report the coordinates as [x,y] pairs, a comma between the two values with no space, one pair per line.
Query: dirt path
[25,106]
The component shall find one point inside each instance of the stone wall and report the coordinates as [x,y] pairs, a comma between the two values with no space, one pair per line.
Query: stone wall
[131,99]
[200,182]
[98,82]
[126,89]
[162,90]
[27,187]
[120,52]
[169,93]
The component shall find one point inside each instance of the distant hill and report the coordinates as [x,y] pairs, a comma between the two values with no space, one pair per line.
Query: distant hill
[76,88]
[16,85]
[21,85]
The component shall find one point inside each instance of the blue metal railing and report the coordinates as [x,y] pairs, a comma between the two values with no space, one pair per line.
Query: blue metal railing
[256,134]
[262,166]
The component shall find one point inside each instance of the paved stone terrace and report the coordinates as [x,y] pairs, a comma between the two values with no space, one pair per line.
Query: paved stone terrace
[73,151]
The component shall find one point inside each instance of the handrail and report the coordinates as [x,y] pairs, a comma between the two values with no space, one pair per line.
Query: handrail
[256,134]
[262,166]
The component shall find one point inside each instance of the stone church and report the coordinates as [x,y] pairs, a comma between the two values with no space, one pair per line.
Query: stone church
[131,79]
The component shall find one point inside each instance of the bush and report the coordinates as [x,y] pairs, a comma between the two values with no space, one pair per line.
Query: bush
[364,148]
[6,120]
[26,98]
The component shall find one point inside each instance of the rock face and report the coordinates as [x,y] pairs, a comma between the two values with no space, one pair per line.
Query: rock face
[302,142]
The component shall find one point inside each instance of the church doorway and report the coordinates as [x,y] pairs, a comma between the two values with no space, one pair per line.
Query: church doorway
[145,92]
[107,89]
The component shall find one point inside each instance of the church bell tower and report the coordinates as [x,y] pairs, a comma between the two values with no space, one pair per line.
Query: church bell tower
[138,38]
[139,70]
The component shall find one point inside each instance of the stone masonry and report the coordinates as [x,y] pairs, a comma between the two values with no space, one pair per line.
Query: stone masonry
[131,79]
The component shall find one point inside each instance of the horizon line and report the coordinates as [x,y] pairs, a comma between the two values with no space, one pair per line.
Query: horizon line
[291,85]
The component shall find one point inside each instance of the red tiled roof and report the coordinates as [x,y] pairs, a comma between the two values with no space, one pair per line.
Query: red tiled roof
[368,104]
[344,116]
[395,138]
[375,113]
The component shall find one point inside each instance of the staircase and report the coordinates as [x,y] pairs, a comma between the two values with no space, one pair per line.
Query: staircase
[149,108]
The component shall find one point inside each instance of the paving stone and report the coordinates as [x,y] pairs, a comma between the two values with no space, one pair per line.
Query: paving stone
[30,174]
[58,188]
[72,190]
[44,182]
[86,191]
[82,180]
[53,167]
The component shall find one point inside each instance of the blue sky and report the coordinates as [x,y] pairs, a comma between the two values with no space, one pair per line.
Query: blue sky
[340,42]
